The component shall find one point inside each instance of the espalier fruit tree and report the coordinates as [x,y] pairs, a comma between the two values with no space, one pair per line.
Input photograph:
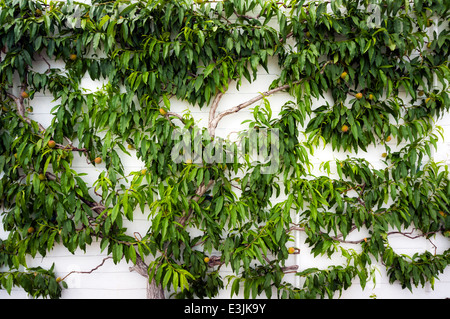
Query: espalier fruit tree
[384,65]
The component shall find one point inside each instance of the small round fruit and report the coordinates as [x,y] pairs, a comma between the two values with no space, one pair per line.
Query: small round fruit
[308,34]
[384,155]
[427,100]
[344,128]
[359,96]
[58,279]
[388,138]
[41,177]
[291,250]
[51,143]
[73,56]
[344,75]
[30,230]
[441,213]
[370,97]
[421,93]
[162,111]
[24,94]
[98,160]
[144,171]
[38,12]
[206,259]
[130,146]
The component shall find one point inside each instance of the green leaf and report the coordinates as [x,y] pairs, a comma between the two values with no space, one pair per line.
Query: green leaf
[115,211]
[9,283]
[219,205]
[117,252]
[167,277]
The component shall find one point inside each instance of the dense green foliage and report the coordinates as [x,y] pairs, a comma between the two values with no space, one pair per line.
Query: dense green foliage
[150,53]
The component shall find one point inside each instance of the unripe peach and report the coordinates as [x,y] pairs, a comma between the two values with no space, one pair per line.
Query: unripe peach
[344,128]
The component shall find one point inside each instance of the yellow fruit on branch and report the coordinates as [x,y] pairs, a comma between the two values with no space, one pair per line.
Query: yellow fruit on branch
[51,143]
[206,259]
[24,94]
[30,230]
[41,177]
[144,171]
[344,128]
[73,56]
[344,75]
[162,111]
[388,138]
[370,97]
[384,155]
[359,96]
[58,279]
[291,250]
[98,160]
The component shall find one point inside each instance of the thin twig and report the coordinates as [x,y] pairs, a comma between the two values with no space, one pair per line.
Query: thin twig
[176,115]
[213,124]
[87,272]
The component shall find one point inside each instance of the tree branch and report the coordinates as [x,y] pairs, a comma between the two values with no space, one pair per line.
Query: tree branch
[215,121]
[338,237]
[201,190]
[212,112]
[176,115]
[87,272]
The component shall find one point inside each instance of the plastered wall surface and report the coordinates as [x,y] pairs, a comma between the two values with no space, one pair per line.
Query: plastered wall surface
[116,281]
